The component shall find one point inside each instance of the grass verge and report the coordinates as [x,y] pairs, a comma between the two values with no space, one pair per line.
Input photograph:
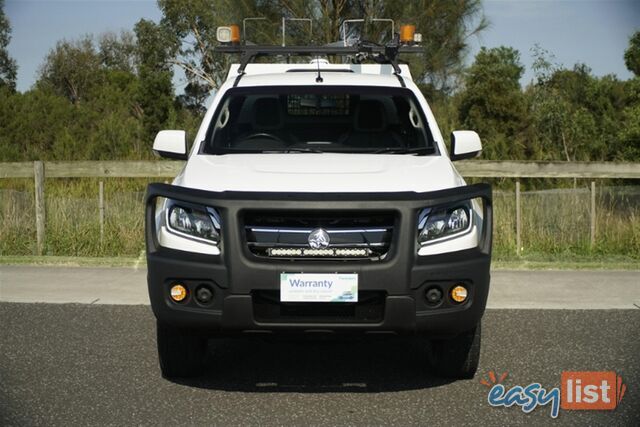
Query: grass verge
[69,261]
[532,262]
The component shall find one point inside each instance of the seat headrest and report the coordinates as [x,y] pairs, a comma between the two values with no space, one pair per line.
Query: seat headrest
[370,116]
[266,114]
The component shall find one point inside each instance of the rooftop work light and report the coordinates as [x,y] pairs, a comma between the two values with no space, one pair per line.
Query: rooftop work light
[229,34]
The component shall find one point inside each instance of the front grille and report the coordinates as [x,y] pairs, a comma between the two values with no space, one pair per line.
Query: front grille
[285,235]
[267,308]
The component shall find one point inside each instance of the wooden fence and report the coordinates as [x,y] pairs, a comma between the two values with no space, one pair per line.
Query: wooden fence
[164,169]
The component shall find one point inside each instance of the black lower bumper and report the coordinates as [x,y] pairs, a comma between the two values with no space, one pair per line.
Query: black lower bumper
[391,292]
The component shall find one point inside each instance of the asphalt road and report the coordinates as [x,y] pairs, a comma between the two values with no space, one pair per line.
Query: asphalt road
[72,364]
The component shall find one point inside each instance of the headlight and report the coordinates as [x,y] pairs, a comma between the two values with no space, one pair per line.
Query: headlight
[436,223]
[199,222]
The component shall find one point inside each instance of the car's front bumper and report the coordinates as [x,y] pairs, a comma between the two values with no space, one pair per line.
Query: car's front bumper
[392,290]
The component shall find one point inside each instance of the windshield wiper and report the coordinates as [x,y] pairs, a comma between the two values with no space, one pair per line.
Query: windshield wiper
[295,150]
[400,150]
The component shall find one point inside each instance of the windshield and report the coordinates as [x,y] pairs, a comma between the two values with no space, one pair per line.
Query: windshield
[322,119]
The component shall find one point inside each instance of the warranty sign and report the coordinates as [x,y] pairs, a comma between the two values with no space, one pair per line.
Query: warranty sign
[301,287]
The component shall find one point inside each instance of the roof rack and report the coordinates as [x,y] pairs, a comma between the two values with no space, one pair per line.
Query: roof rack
[387,54]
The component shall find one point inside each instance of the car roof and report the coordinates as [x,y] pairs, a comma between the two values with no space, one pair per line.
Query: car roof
[306,74]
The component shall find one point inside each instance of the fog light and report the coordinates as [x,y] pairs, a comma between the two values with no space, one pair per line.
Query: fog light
[178,293]
[459,293]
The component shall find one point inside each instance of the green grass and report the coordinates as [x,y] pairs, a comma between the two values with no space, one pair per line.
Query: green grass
[68,261]
[566,261]
[557,223]
[541,262]
[72,221]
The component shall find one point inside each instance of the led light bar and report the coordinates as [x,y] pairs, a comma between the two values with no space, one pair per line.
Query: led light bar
[327,252]
[352,252]
[318,252]
[285,252]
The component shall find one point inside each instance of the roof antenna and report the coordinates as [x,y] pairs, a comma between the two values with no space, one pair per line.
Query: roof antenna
[319,79]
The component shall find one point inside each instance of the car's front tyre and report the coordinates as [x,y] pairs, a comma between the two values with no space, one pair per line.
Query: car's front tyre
[181,352]
[457,358]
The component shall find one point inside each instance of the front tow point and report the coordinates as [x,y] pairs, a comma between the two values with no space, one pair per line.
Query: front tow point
[433,295]
[204,294]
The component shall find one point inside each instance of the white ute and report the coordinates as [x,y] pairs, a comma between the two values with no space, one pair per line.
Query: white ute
[319,197]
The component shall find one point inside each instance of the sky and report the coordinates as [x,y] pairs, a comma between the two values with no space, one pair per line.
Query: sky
[594,32]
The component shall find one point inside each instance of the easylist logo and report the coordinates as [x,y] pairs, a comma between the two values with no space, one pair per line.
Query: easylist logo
[592,390]
[579,390]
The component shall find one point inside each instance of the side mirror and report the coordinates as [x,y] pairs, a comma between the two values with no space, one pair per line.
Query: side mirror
[171,144]
[465,144]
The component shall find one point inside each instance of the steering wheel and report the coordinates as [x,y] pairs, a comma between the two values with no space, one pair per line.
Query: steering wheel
[264,135]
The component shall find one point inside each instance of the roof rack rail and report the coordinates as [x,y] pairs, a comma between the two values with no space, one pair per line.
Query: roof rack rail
[383,54]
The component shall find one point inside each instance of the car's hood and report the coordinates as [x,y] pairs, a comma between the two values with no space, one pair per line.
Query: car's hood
[315,173]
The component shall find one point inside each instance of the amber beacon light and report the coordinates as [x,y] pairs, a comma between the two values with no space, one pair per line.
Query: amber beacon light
[228,34]
[406,33]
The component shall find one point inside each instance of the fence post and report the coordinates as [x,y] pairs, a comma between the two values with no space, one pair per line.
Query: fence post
[38,174]
[518,219]
[593,214]
[101,209]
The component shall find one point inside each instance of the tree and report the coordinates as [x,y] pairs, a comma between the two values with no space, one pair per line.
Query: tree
[8,67]
[194,96]
[632,54]
[446,27]
[493,104]
[97,98]
[576,115]
[71,68]
[155,96]
[552,111]
[628,137]
[192,25]
[118,52]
